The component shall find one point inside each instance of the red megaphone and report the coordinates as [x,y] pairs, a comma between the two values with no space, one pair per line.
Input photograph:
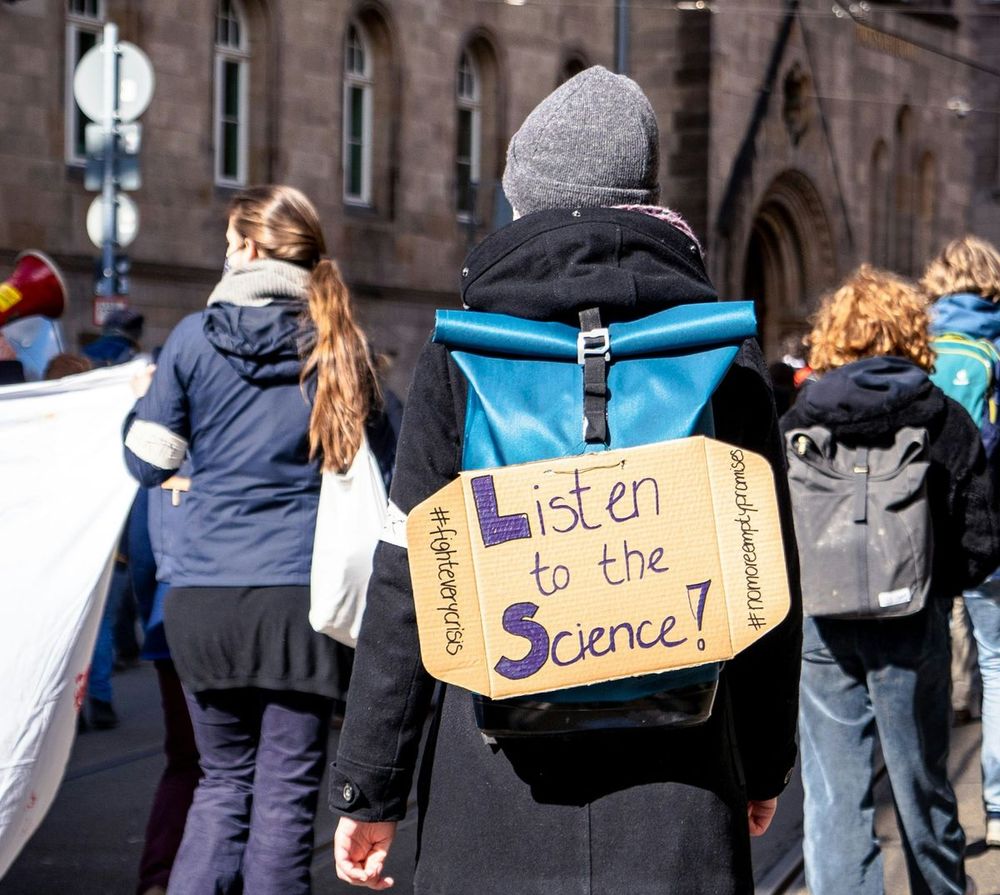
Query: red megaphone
[35,287]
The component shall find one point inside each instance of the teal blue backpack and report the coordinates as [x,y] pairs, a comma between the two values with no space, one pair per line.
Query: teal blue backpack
[539,390]
[966,369]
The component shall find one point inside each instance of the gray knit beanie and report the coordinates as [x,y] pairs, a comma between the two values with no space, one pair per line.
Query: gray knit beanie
[592,142]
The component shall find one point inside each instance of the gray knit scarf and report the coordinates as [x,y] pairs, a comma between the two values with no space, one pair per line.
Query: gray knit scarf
[260,283]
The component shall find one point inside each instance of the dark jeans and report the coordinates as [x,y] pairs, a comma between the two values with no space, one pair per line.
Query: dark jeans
[101,665]
[890,678]
[250,828]
[177,785]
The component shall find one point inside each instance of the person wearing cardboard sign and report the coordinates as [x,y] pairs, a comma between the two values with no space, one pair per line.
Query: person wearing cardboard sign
[895,513]
[264,389]
[642,785]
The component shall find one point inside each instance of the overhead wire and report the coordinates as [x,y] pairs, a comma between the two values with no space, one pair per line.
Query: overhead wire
[714,7]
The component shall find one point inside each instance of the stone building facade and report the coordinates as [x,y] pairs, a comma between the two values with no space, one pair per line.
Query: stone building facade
[798,138]
[400,240]
[804,138]
[984,25]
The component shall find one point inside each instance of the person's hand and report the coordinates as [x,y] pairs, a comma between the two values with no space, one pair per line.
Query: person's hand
[141,380]
[360,850]
[760,815]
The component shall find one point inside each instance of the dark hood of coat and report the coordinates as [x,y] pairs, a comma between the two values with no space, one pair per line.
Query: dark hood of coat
[867,399]
[264,345]
[552,264]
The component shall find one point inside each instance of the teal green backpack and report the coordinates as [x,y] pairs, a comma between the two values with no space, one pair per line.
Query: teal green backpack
[966,369]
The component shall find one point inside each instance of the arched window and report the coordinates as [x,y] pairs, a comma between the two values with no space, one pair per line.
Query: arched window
[904,165]
[232,80]
[468,150]
[358,91]
[926,206]
[84,23]
[878,205]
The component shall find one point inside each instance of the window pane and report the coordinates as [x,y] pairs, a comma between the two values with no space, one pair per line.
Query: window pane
[464,147]
[231,90]
[355,57]
[231,150]
[85,40]
[79,136]
[354,170]
[464,75]
[464,175]
[227,25]
[87,8]
[357,113]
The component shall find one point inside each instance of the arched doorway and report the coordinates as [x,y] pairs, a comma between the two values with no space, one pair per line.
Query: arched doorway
[789,260]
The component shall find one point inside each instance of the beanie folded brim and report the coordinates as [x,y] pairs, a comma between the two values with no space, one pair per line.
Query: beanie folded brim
[542,193]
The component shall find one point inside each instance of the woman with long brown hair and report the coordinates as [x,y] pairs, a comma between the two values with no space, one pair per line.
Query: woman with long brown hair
[270,384]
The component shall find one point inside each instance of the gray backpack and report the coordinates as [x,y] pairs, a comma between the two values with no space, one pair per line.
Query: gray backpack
[863,523]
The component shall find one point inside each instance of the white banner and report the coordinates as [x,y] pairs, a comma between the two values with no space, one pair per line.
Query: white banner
[64,497]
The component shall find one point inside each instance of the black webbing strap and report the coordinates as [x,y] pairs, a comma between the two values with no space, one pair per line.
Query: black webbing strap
[593,354]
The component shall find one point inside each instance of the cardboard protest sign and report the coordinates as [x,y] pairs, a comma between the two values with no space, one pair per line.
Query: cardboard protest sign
[584,569]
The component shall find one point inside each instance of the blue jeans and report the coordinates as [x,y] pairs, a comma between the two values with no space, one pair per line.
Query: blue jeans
[891,679]
[983,607]
[250,827]
[102,662]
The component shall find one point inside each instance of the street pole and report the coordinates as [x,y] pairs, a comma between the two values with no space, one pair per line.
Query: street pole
[621,36]
[109,185]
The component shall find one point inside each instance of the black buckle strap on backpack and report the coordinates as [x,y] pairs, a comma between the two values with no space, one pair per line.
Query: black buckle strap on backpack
[593,353]
[861,485]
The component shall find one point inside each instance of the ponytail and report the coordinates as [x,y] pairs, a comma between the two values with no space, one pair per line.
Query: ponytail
[346,386]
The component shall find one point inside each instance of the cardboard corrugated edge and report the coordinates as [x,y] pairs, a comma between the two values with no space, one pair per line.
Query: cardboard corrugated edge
[432,626]
[475,674]
[775,601]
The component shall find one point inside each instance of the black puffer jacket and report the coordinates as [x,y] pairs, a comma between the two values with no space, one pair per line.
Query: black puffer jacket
[867,402]
[603,812]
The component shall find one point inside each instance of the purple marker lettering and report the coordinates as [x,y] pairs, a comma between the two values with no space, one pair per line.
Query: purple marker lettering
[516,622]
[496,529]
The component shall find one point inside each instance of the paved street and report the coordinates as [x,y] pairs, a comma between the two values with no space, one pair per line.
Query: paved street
[90,842]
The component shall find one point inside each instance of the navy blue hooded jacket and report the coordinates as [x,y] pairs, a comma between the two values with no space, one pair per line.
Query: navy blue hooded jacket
[226,391]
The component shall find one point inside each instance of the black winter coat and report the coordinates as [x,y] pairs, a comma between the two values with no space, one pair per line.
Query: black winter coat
[866,403]
[606,812]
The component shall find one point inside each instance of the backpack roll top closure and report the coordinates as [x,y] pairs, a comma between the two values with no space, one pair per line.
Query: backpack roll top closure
[674,329]
[661,373]
[863,523]
[531,397]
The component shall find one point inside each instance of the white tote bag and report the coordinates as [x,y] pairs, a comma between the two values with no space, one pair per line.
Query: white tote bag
[352,510]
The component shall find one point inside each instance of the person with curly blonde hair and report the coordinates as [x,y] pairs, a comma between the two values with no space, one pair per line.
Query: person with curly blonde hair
[969,266]
[872,314]
[964,282]
[885,678]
